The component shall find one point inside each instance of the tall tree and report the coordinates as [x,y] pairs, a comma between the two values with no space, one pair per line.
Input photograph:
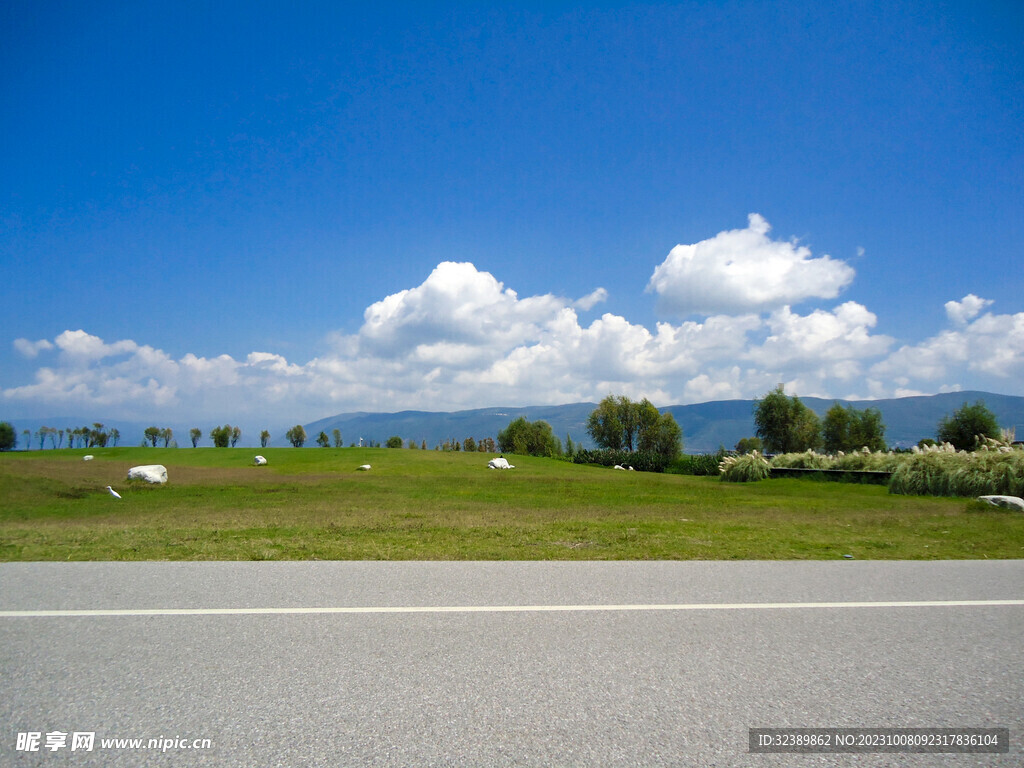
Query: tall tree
[967,423]
[620,424]
[236,435]
[337,437]
[152,434]
[8,436]
[195,434]
[786,425]
[221,436]
[848,429]
[323,440]
[296,436]
[604,424]
[529,438]
[264,438]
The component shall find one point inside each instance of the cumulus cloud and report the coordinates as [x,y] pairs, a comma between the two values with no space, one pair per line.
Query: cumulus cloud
[833,342]
[743,270]
[988,345]
[960,312]
[462,339]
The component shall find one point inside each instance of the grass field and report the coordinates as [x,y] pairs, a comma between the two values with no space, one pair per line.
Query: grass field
[312,504]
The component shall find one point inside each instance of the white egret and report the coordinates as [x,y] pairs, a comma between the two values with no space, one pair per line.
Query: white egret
[114,493]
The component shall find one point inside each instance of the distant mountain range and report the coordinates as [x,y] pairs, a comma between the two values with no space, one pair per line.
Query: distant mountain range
[706,426]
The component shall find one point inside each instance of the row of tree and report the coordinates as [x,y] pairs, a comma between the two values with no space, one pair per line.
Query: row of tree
[82,437]
[785,425]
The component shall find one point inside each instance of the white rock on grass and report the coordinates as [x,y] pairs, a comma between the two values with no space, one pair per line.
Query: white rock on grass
[363,468]
[151,473]
[1007,502]
[259,461]
[500,463]
[88,458]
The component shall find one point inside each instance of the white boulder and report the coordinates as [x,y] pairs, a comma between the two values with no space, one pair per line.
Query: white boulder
[259,461]
[363,467]
[151,473]
[87,458]
[500,463]
[1007,502]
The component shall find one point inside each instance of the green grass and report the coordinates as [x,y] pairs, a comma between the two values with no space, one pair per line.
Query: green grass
[313,504]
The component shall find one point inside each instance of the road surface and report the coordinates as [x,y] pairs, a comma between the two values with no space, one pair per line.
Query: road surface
[500,664]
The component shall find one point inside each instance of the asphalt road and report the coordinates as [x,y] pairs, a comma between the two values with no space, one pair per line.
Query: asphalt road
[502,664]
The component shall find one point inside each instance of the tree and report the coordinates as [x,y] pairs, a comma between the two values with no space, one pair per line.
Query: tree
[323,440]
[115,435]
[221,436]
[296,436]
[661,435]
[605,424]
[152,434]
[47,432]
[166,434]
[620,424]
[393,442]
[97,435]
[264,438]
[195,434]
[963,428]
[469,444]
[748,445]
[8,436]
[236,435]
[337,437]
[786,425]
[848,429]
[529,438]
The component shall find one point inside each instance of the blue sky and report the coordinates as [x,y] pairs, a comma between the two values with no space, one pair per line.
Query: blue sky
[282,211]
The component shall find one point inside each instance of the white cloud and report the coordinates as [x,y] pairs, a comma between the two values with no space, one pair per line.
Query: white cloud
[31,349]
[831,342]
[988,346]
[461,339]
[743,270]
[592,299]
[960,312]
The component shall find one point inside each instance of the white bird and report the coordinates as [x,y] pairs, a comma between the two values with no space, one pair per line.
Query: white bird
[363,468]
[114,493]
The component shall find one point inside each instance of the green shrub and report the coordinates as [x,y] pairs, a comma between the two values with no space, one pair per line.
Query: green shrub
[960,474]
[699,464]
[747,468]
[642,461]
[869,462]
[804,460]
